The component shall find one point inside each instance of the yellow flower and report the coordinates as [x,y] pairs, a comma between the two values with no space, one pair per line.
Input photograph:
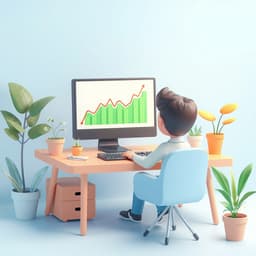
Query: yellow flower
[228,108]
[207,115]
[228,121]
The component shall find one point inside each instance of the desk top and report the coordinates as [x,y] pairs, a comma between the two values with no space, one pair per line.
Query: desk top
[219,160]
[92,164]
[96,165]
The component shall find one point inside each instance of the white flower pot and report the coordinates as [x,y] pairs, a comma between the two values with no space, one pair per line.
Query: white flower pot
[195,141]
[25,204]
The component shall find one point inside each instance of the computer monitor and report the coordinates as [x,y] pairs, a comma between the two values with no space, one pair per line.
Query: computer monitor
[108,109]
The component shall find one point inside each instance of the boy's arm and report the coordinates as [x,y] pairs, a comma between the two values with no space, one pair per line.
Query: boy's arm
[145,161]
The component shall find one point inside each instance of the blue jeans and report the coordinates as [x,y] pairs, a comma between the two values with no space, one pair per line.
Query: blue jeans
[138,205]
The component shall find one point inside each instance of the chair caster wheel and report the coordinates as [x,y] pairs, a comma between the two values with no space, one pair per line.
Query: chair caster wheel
[196,236]
[166,241]
[145,233]
[174,227]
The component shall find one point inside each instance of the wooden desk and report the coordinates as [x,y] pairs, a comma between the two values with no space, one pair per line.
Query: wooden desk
[95,165]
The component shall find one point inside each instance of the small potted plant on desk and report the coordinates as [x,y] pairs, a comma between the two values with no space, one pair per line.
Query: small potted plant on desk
[234,221]
[195,136]
[56,142]
[76,148]
[22,131]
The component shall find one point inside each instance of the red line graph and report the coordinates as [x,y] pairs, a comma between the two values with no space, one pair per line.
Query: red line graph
[114,104]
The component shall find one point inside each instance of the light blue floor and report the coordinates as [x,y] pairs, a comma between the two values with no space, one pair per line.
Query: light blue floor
[109,235]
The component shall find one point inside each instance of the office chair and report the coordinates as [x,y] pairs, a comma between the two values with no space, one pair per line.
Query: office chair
[182,180]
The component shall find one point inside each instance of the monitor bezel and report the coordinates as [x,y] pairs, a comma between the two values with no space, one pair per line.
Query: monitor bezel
[110,133]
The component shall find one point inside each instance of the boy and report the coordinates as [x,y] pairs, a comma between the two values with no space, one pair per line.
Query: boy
[177,115]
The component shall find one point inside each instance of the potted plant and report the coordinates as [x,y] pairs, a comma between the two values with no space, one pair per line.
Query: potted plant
[232,192]
[22,130]
[195,136]
[56,141]
[215,139]
[76,149]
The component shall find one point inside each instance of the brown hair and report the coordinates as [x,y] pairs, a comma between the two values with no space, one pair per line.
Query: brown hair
[179,113]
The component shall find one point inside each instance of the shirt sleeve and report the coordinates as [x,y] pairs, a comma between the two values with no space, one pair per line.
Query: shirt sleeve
[151,159]
[160,152]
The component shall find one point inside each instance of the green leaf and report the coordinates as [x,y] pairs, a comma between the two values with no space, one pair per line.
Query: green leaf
[243,178]
[38,178]
[222,180]
[38,105]
[245,196]
[38,130]
[226,195]
[15,185]
[13,171]
[195,131]
[12,121]
[12,133]
[21,98]
[234,213]
[227,206]
[32,120]
[233,188]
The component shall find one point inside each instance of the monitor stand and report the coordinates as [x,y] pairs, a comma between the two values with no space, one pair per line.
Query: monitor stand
[110,146]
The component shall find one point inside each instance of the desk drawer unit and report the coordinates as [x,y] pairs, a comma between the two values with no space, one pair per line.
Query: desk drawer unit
[66,204]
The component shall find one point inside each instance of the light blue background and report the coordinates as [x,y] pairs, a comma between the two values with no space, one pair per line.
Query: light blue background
[201,49]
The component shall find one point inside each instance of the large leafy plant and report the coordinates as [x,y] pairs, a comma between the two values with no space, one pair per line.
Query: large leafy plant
[231,191]
[22,129]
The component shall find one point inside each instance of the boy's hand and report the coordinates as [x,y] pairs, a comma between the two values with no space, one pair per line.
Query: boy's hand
[128,154]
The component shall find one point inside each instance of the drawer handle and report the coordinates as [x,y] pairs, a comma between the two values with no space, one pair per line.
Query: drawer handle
[77,193]
[77,209]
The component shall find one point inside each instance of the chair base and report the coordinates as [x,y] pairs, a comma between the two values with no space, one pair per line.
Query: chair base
[171,209]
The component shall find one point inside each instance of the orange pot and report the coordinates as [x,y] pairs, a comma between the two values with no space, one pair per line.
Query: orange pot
[215,142]
[76,150]
[235,227]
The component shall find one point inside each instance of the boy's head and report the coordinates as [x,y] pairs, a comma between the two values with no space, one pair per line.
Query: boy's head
[178,113]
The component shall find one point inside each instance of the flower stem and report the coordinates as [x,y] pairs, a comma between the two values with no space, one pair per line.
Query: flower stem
[217,131]
[221,128]
[213,127]
[22,154]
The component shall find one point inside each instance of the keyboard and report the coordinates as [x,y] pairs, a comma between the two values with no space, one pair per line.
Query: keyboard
[111,156]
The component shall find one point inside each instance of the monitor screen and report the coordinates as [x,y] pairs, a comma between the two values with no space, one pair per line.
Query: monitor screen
[108,109]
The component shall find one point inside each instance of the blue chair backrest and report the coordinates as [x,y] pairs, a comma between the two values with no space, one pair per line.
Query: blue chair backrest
[183,176]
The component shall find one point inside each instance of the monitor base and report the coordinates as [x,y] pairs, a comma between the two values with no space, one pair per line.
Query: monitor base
[110,146]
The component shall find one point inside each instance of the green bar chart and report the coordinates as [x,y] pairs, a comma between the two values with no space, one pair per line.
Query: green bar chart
[118,112]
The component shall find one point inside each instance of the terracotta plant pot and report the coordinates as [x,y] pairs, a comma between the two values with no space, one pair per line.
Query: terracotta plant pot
[235,227]
[55,146]
[215,142]
[76,150]
[195,141]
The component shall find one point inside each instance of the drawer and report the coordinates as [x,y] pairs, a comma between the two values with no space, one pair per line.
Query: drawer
[68,188]
[70,210]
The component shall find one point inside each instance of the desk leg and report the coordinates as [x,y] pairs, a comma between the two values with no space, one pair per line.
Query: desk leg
[51,191]
[83,202]
[211,196]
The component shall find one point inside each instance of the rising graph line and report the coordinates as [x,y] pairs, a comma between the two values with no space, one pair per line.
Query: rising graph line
[113,104]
